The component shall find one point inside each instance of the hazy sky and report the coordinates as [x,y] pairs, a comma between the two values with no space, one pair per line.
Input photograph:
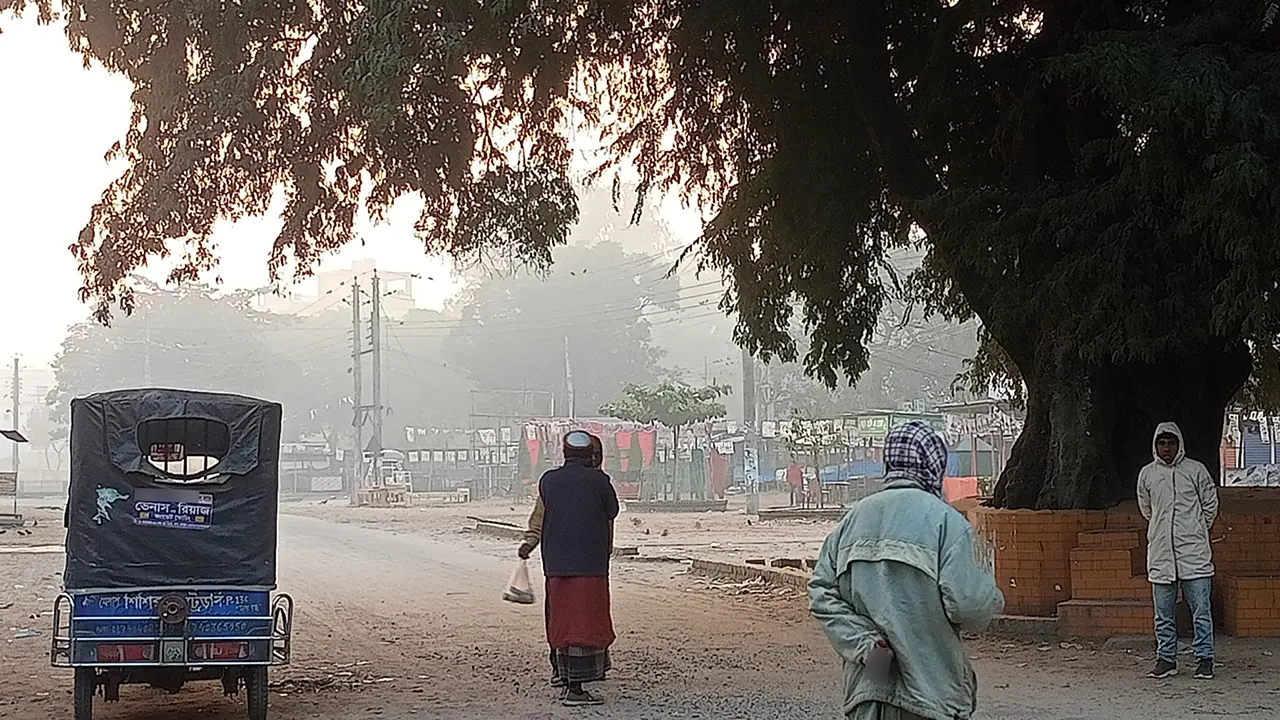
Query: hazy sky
[57,119]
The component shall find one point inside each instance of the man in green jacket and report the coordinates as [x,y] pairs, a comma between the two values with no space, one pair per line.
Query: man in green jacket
[1179,499]
[896,582]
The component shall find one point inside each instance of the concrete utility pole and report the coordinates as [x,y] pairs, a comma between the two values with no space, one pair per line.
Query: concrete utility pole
[568,379]
[357,398]
[375,342]
[751,447]
[17,426]
[146,351]
[17,419]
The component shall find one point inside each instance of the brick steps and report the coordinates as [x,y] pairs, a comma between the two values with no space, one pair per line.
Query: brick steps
[1104,618]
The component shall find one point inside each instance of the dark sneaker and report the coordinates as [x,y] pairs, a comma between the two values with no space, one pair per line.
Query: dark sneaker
[580,699]
[1204,670]
[558,682]
[1163,669]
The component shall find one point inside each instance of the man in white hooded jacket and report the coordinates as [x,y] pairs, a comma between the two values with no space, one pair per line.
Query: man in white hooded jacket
[1178,498]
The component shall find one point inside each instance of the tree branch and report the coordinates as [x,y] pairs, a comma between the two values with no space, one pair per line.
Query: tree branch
[903,160]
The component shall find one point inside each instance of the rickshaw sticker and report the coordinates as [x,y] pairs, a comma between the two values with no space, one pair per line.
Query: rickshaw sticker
[106,498]
[175,509]
[218,603]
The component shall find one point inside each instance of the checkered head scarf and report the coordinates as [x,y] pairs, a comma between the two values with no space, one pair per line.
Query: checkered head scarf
[916,452]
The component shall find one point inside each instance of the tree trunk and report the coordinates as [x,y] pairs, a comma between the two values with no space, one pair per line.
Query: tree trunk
[1089,429]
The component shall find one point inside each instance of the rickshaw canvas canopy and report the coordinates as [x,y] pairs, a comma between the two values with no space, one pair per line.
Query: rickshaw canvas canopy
[134,522]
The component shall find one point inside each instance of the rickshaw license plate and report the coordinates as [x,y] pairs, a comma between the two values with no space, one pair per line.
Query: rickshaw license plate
[173,651]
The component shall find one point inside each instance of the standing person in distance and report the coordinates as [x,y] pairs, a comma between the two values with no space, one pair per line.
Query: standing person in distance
[579,506]
[896,582]
[1179,499]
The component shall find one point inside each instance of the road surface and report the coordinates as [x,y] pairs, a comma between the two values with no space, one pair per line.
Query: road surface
[400,625]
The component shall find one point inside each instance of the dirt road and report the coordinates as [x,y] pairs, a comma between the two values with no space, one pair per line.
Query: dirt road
[400,625]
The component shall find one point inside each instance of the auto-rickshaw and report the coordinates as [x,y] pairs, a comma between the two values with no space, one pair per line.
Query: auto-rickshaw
[171,546]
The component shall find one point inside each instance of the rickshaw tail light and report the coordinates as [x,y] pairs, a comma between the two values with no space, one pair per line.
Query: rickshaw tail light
[220,651]
[136,652]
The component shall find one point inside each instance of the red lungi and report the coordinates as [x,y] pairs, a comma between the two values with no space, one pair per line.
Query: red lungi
[578,613]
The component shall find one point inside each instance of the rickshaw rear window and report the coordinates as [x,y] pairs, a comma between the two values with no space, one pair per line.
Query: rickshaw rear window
[184,449]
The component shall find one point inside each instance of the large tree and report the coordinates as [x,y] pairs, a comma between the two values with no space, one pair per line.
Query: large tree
[192,337]
[1094,180]
[185,337]
[913,359]
[594,308]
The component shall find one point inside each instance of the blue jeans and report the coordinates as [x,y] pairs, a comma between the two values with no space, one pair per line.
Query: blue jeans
[1196,593]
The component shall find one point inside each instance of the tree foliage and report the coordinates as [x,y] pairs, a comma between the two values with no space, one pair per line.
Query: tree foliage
[186,337]
[597,304]
[673,404]
[913,359]
[1095,181]
[47,437]
[192,337]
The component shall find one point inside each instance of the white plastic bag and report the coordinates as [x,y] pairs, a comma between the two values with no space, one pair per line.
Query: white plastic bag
[519,589]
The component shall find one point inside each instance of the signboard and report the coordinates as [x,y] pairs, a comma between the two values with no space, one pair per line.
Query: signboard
[8,483]
[328,483]
[996,423]
[750,468]
[175,509]
[874,425]
[1253,476]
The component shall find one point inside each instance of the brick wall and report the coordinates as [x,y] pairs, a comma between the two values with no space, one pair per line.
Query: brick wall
[1105,618]
[1250,605]
[1033,553]
[1037,563]
[1108,574]
[741,572]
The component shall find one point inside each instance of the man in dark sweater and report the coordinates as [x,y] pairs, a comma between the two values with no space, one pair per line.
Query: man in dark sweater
[579,507]
[533,537]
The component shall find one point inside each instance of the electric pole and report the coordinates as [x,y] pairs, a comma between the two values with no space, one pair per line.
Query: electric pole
[357,398]
[146,351]
[751,450]
[375,342]
[568,379]
[17,426]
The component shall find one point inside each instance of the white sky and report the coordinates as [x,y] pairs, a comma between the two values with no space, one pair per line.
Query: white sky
[57,119]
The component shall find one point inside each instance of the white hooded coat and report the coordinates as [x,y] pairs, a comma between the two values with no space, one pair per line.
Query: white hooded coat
[1180,502]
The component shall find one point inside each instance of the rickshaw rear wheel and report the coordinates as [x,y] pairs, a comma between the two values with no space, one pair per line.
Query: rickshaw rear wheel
[255,690]
[86,684]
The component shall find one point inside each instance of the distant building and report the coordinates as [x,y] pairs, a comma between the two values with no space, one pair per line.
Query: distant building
[981,434]
[333,288]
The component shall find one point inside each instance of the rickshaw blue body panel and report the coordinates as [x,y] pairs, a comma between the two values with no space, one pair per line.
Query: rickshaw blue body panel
[224,626]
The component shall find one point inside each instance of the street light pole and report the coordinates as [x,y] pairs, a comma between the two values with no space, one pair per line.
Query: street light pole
[750,444]
[15,436]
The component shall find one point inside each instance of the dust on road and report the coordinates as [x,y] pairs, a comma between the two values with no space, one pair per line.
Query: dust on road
[410,624]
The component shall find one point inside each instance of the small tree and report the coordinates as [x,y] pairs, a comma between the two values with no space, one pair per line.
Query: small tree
[673,404]
[46,433]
